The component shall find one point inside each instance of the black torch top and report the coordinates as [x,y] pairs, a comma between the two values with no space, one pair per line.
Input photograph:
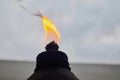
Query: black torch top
[52,58]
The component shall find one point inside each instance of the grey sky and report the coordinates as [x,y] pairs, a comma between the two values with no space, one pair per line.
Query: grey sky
[90,29]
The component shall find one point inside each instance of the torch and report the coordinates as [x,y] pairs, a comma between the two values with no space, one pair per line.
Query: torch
[52,64]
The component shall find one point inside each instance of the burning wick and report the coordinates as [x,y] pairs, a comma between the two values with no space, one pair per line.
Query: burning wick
[51,33]
[52,46]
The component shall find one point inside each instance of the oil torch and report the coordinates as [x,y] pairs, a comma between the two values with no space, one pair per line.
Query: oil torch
[52,64]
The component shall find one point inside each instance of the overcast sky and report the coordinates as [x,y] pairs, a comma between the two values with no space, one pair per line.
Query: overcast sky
[90,29]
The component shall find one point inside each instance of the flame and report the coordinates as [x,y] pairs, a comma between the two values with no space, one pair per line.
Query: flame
[51,33]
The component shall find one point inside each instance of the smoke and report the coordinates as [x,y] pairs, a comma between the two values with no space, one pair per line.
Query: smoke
[19,2]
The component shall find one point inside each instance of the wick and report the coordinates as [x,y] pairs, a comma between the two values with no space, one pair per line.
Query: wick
[52,46]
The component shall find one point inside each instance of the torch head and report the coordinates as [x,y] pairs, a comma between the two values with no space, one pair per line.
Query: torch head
[51,58]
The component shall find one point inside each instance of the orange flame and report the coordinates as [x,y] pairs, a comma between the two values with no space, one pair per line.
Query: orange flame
[51,33]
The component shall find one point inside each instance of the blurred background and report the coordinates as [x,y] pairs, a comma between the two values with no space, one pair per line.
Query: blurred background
[90,36]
